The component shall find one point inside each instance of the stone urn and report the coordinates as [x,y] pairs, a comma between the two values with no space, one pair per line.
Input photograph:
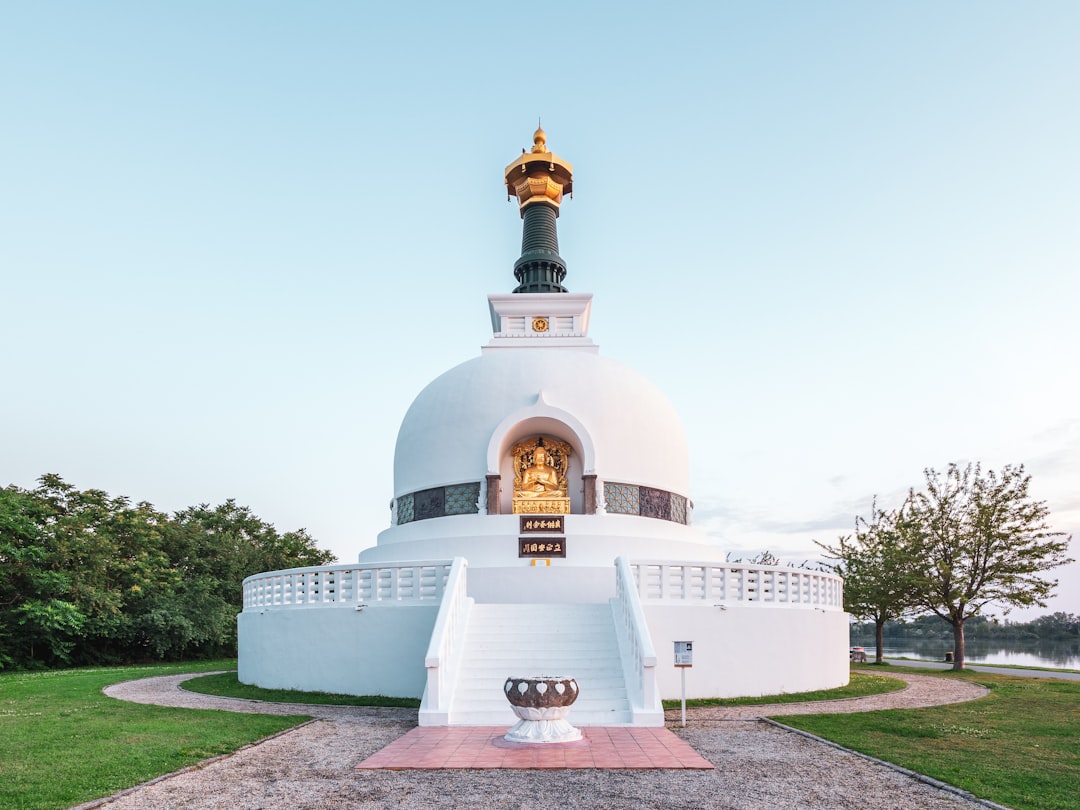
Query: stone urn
[542,703]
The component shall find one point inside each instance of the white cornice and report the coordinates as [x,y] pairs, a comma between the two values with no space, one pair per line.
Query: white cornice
[540,320]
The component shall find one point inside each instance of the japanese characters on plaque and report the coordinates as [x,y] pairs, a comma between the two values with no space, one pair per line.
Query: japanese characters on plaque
[550,547]
[542,546]
[542,524]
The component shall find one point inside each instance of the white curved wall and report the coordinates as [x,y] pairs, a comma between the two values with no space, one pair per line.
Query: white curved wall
[757,630]
[749,651]
[375,651]
[447,432]
[487,540]
[380,650]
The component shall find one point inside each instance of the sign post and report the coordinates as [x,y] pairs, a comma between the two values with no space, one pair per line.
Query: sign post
[684,659]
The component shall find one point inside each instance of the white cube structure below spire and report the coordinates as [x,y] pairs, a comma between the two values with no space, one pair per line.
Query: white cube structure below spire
[551,320]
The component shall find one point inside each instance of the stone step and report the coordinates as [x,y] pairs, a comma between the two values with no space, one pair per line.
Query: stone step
[545,614]
[576,641]
[508,718]
[596,700]
[513,631]
[538,623]
[579,710]
[482,682]
[577,647]
[547,663]
[541,615]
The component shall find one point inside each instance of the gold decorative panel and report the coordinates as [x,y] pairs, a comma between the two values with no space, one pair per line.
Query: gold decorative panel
[540,486]
[553,506]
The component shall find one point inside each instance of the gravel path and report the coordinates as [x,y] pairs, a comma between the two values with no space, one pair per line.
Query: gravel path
[757,765]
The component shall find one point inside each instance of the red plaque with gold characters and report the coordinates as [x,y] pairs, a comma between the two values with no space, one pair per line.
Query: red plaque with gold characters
[542,524]
[537,547]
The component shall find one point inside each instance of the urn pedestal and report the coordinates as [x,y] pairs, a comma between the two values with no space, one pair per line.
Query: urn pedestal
[542,703]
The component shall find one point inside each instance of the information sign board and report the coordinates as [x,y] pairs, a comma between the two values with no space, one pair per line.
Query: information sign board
[684,653]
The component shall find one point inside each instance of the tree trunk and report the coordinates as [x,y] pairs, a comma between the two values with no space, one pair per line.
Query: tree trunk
[958,643]
[879,633]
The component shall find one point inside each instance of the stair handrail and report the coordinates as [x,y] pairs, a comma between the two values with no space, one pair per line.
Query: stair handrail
[636,633]
[444,650]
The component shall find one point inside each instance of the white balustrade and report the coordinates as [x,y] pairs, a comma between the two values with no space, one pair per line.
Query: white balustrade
[737,585]
[347,585]
[444,650]
[640,669]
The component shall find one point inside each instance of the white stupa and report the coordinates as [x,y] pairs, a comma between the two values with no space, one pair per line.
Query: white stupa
[542,524]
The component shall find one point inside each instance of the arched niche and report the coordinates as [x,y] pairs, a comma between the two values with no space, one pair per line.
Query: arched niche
[541,419]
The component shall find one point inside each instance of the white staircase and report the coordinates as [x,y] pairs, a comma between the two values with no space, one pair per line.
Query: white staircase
[577,641]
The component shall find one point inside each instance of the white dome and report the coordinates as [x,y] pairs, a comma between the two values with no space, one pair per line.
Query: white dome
[623,428]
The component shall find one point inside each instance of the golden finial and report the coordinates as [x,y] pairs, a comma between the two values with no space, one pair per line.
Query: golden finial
[539,139]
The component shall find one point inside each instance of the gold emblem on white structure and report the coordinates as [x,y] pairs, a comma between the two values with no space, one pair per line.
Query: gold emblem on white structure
[540,324]
[540,477]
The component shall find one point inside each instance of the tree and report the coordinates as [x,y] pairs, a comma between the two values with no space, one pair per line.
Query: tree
[875,566]
[33,620]
[978,539]
[213,550]
[88,578]
[766,557]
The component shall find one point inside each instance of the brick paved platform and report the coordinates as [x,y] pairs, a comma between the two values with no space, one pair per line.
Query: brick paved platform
[483,747]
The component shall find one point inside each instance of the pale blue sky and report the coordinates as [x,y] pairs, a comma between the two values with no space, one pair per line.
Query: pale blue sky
[236,240]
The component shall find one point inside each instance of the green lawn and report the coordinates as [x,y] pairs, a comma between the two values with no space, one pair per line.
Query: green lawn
[225,684]
[861,685]
[63,742]
[1019,746]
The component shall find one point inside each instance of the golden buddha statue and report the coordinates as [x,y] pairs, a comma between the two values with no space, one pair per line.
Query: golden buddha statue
[540,477]
[541,480]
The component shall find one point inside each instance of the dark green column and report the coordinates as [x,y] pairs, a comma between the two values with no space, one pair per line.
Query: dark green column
[540,269]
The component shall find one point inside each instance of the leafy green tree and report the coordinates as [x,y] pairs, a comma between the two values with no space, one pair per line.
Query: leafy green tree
[214,549]
[108,552]
[978,539]
[89,578]
[875,565]
[37,624]
[1056,625]
[228,543]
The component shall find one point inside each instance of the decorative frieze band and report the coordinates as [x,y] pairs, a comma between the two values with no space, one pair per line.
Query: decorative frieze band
[631,499]
[619,499]
[457,499]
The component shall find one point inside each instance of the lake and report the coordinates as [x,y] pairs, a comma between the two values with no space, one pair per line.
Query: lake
[1052,654]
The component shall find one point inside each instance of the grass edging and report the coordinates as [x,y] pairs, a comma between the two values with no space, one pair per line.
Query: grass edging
[876,684]
[226,685]
[919,777]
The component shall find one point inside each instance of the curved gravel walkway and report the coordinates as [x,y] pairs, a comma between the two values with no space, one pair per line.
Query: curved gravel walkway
[757,765]
[921,690]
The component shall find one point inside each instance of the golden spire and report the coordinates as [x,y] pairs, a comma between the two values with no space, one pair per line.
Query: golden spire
[539,176]
[538,179]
